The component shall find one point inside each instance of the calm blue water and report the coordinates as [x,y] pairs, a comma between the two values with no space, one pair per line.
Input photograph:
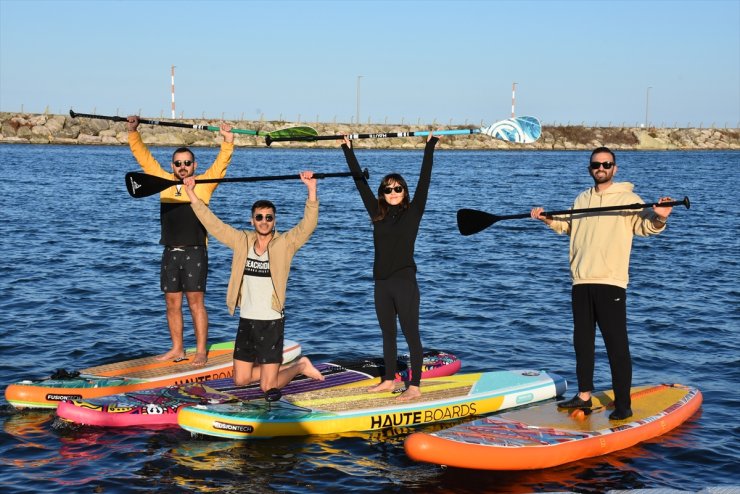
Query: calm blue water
[79,287]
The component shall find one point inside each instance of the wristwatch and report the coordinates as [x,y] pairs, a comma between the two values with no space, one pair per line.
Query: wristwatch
[661,219]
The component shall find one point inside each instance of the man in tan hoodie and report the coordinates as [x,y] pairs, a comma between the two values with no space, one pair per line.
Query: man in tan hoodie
[600,245]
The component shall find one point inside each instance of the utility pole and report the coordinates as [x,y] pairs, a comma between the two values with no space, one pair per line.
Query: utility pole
[647,106]
[358,99]
[173,91]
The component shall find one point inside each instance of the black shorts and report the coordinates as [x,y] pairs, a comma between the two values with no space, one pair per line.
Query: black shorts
[260,342]
[184,269]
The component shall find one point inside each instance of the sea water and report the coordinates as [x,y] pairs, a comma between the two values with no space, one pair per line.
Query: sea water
[79,286]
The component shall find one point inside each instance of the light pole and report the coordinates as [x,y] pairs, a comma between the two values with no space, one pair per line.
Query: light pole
[647,105]
[358,99]
[173,92]
[513,98]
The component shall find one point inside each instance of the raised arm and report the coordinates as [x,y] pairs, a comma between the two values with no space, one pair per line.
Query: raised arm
[222,161]
[299,234]
[224,233]
[311,184]
[368,198]
[425,176]
[145,159]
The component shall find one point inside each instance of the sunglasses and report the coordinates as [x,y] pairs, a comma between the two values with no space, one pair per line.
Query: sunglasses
[606,164]
[268,217]
[179,163]
[398,189]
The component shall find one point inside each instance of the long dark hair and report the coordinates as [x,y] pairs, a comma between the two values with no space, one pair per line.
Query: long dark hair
[382,204]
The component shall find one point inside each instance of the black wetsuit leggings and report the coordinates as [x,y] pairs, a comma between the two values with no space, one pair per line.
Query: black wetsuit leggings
[605,305]
[398,296]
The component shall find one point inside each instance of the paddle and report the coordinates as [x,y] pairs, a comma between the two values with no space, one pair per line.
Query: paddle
[470,221]
[142,185]
[283,133]
[520,129]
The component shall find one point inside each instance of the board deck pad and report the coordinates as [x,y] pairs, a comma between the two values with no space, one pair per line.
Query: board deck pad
[544,436]
[350,407]
[158,406]
[129,375]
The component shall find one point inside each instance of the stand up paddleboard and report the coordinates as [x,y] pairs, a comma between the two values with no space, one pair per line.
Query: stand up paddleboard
[129,375]
[544,436]
[159,406]
[351,407]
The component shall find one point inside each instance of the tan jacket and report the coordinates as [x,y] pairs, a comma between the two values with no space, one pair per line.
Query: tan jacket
[281,250]
[600,243]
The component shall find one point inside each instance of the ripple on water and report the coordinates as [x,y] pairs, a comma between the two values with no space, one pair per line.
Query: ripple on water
[79,293]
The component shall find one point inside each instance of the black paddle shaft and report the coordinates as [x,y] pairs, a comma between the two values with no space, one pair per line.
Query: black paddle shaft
[470,221]
[142,185]
[684,202]
[141,120]
[365,174]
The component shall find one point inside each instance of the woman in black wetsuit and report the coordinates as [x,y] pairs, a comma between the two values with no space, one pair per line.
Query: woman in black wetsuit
[396,220]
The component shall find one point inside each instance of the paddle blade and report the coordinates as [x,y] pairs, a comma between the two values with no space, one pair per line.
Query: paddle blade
[143,185]
[523,130]
[294,132]
[470,221]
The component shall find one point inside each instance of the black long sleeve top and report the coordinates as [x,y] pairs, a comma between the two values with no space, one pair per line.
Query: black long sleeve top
[395,235]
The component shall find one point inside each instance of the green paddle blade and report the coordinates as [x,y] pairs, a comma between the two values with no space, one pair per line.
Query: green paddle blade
[294,132]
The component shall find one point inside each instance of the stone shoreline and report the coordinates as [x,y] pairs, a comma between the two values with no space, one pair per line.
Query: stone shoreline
[24,128]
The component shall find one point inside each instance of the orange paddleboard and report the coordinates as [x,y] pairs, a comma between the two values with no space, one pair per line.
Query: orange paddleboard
[544,436]
[130,375]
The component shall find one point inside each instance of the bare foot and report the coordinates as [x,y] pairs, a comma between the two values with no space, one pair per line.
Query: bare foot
[308,369]
[200,359]
[175,355]
[383,387]
[411,393]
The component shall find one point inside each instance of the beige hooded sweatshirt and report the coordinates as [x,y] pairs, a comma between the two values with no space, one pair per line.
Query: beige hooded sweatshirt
[601,242]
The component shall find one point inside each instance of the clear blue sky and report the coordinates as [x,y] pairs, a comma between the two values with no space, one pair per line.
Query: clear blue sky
[443,61]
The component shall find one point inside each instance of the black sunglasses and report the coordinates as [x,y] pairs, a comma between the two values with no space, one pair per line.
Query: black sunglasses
[179,163]
[397,189]
[268,217]
[606,164]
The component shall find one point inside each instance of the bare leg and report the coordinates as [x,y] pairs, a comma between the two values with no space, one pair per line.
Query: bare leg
[200,321]
[269,376]
[303,366]
[383,387]
[285,375]
[244,372]
[411,393]
[174,321]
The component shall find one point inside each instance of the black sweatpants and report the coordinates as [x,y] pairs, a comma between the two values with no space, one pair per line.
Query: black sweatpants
[398,297]
[605,305]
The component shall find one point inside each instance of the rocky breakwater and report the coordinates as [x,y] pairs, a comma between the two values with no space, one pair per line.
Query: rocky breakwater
[62,129]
